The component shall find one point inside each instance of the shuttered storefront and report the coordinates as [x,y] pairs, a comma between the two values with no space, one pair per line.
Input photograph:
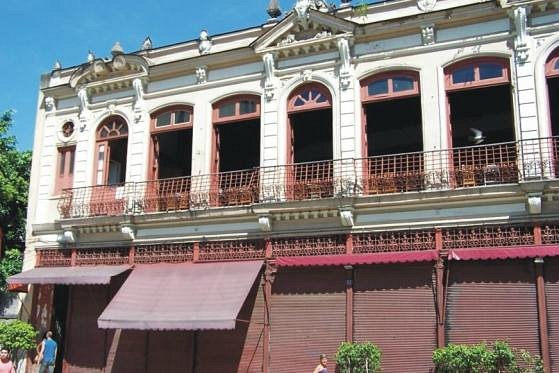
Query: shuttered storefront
[169,351]
[394,309]
[85,343]
[238,350]
[307,317]
[489,300]
[552,293]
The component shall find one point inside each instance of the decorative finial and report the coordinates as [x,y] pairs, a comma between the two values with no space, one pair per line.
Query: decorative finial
[117,49]
[147,43]
[57,65]
[204,43]
[273,10]
[90,56]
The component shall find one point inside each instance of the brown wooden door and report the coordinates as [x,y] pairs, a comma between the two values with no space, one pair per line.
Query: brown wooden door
[307,318]
[394,309]
[552,293]
[490,300]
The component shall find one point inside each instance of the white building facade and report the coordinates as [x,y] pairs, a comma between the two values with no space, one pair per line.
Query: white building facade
[382,172]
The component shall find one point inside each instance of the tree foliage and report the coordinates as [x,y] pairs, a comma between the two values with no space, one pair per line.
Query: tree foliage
[485,358]
[14,184]
[10,264]
[17,336]
[358,358]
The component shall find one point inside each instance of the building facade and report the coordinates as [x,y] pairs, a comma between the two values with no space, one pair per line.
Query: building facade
[246,201]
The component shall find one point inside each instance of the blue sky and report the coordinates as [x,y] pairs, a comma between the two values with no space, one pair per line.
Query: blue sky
[35,33]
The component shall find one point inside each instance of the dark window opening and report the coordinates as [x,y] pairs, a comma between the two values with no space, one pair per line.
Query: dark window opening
[59,317]
[488,110]
[553,93]
[239,145]
[394,126]
[117,161]
[174,158]
[312,136]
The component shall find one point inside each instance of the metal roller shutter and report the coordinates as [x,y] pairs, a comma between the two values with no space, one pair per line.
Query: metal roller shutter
[238,350]
[489,300]
[130,352]
[85,343]
[169,351]
[394,308]
[307,318]
[552,293]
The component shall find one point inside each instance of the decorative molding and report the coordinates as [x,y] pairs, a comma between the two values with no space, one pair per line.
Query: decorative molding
[128,232]
[428,34]
[426,5]
[201,74]
[270,78]
[520,18]
[306,74]
[265,223]
[346,217]
[50,104]
[534,203]
[345,63]
[204,43]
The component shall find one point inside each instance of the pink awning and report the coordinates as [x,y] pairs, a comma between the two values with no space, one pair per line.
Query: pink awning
[503,253]
[78,275]
[356,259]
[183,296]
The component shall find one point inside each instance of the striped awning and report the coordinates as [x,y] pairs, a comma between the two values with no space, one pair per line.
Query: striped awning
[75,275]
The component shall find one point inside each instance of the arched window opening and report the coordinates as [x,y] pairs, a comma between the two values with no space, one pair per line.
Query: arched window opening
[112,146]
[310,124]
[481,122]
[479,102]
[171,130]
[236,133]
[392,113]
[392,132]
[236,150]
[552,74]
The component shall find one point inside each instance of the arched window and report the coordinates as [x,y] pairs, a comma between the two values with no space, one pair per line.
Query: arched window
[310,142]
[171,135]
[552,75]
[391,113]
[479,102]
[112,145]
[310,124]
[481,122]
[392,132]
[236,133]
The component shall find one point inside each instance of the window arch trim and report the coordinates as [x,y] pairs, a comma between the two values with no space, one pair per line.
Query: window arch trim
[470,73]
[390,90]
[182,113]
[552,64]
[236,108]
[311,96]
[115,126]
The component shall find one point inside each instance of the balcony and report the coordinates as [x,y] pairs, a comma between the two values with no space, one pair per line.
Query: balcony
[477,166]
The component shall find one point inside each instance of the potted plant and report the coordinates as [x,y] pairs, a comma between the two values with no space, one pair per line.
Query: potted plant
[358,358]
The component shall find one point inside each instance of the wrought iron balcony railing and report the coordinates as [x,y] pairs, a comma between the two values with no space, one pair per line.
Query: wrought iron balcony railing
[476,166]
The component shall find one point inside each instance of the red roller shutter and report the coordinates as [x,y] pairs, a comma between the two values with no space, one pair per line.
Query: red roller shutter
[238,350]
[489,300]
[307,317]
[394,309]
[552,294]
[85,343]
[169,351]
[128,351]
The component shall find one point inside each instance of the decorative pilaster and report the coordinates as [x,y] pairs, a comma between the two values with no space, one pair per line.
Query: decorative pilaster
[520,18]
[269,277]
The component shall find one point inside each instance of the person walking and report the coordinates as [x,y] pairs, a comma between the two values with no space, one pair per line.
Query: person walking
[321,368]
[47,354]
[6,365]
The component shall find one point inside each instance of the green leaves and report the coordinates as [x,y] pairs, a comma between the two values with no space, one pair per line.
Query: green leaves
[10,265]
[17,335]
[358,357]
[497,357]
[14,184]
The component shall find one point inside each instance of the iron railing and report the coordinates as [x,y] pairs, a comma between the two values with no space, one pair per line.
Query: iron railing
[467,167]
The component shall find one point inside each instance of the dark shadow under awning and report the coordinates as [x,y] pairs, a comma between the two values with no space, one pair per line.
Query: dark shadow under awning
[183,296]
[77,275]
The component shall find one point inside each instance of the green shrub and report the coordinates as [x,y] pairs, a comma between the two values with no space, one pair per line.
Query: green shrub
[17,336]
[485,358]
[358,358]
